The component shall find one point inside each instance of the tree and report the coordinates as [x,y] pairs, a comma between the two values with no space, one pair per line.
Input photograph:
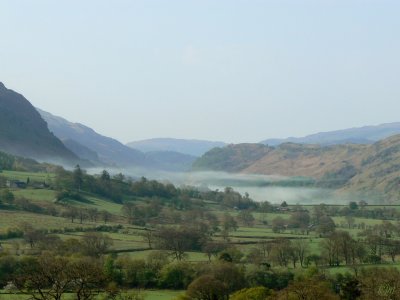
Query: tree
[301,249]
[212,248]
[254,293]
[207,288]
[45,278]
[380,283]
[177,275]
[105,216]
[246,217]
[105,176]
[148,236]
[77,176]
[353,205]
[278,224]
[281,252]
[179,240]
[95,244]
[86,278]
[228,224]
[325,225]
[31,235]
[300,219]
[350,221]
[92,213]
[393,249]
[71,213]
[82,214]
[6,196]
[308,289]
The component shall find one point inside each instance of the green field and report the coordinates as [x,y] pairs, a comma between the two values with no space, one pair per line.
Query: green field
[128,240]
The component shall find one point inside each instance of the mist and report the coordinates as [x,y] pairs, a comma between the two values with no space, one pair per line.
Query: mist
[259,187]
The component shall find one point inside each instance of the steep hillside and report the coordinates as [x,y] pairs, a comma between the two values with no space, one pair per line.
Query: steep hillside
[369,170]
[360,135]
[23,132]
[109,150]
[307,160]
[190,147]
[380,170]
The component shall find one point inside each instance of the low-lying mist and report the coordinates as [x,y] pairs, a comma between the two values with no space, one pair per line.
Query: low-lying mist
[259,187]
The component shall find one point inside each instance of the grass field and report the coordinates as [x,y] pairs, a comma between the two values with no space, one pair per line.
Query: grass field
[147,294]
[23,176]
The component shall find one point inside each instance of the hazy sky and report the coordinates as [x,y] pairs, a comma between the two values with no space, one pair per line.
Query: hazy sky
[237,71]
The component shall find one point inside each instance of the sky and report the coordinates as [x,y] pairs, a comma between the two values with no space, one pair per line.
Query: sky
[226,70]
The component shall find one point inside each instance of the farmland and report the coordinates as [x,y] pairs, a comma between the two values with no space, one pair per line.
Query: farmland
[210,228]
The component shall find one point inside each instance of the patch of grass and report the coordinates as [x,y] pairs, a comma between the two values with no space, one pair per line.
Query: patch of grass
[23,176]
[36,194]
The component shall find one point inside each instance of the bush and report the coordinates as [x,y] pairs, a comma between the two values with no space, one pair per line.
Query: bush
[255,293]
[177,276]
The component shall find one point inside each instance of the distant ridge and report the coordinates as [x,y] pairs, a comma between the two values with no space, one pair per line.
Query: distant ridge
[95,145]
[101,150]
[185,146]
[24,133]
[357,135]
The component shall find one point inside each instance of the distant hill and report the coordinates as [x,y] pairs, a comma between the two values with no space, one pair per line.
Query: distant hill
[171,161]
[190,147]
[99,149]
[108,150]
[24,133]
[231,158]
[372,170]
[360,135]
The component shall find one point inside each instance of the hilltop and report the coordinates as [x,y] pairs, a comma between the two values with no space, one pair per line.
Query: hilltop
[357,135]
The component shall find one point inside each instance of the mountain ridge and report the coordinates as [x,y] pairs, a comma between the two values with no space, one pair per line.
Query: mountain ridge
[109,150]
[191,147]
[356,135]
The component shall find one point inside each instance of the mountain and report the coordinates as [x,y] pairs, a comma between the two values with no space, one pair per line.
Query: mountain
[171,161]
[82,151]
[24,133]
[99,149]
[190,147]
[108,150]
[370,170]
[359,135]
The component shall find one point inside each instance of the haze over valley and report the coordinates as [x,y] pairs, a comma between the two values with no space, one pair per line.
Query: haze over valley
[199,150]
[335,167]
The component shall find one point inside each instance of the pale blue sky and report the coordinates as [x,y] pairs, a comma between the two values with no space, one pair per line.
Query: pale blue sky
[237,71]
